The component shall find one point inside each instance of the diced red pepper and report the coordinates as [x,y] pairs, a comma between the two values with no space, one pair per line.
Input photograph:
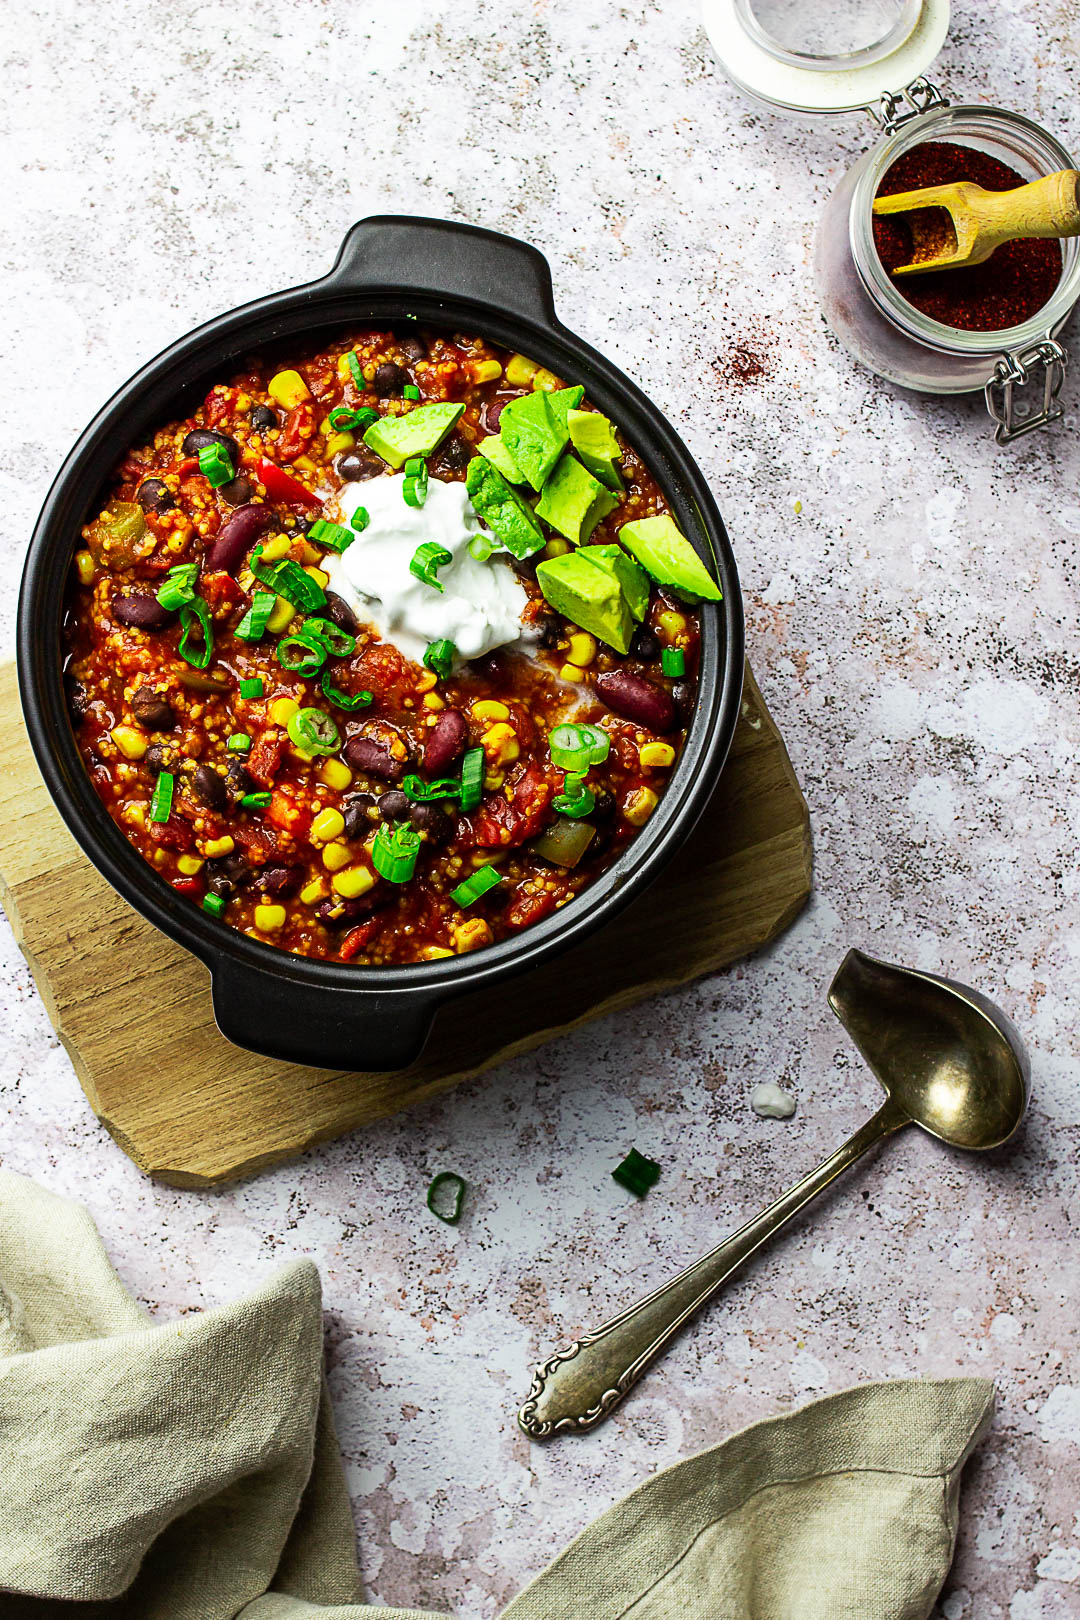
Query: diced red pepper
[220,590]
[282,486]
[191,885]
[358,937]
[298,431]
[264,760]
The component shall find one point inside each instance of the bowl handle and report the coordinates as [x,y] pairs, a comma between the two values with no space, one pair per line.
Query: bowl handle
[321,1027]
[441,257]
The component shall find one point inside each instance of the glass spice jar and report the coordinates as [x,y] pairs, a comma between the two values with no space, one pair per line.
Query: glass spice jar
[838,59]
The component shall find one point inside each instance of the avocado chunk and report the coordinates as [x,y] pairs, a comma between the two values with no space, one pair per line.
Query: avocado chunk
[587,596]
[593,437]
[534,434]
[494,447]
[572,501]
[665,553]
[396,438]
[508,517]
[562,401]
[633,581]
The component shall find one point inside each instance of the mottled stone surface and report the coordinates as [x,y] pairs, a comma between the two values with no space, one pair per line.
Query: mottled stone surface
[914,628]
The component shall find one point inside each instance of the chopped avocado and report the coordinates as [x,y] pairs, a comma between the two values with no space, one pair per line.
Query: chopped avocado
[534,434]
[508,517]
[633,580]
[593,437]
[669,557]
[494,447]
[420,432]
[587,596]
[564,400]
[572,501]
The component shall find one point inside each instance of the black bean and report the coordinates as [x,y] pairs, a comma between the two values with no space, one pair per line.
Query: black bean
[355,810]
[202,439]
[455,453]
[551,631]
[445,741]
[78,699]
[209,788]
[413,348]
[237,491]
[141,609]
[237,781]
[237,535]
[263,418]
[160,757]
[227,874]
[393,806]
[354,466]
[278,879]
[637,699]
[373,758]
[389,379]
[154,496]
[683,695]
[151,710]
[341,613]
[604,807]
[433,820]
[644,645]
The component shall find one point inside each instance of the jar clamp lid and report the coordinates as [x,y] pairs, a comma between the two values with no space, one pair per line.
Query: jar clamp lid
[872,56]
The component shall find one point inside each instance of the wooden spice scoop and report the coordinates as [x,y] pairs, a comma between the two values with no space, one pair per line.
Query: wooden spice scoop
[968,222]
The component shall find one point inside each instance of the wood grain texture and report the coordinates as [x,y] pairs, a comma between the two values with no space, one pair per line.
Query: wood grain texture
[133,1009]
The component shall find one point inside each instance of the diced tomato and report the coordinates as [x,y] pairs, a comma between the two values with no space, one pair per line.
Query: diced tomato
[172,834]
[264,761]
[358,937]
[217,405]
[188,885]
[285,813]
[221,591]
[501,821]
[282,486]
[298,431]
[529,908]
[384,671]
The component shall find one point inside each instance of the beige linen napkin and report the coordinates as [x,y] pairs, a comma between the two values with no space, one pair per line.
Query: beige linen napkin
[189,1471]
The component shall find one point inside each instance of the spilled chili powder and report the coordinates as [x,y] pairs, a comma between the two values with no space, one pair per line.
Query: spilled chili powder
[1007,288]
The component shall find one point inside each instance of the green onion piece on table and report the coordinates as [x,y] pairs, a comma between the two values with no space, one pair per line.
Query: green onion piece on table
[349,701]
[301,654]
[255,801]
[410,391]
[474,886]
[252,626]
[354,366]
[673,662]
[427,560]
[286,578]
[214,904]
[472,779]
[439,657]
[422,792]
[395,851]
[253,688]
[447,1178]
[238,743]
[415,487]
[196,612]
[331,536]
[314,732]
[178,588]
[360,519]
[216,465]
[480,547]
[636,1173]
[161,803]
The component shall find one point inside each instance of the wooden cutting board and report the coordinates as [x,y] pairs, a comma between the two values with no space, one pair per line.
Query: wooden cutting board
[133,1009]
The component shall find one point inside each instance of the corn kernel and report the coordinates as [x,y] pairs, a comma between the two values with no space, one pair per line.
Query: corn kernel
[135,815]
[671,623]
[520,371]
[314,891]
[500,743]
[276,548]
[288,388]
[318,576]
[426,680]
[335,856]
[489,709]
[219,846]
[282,710]
[338,442]
[353,882]
[432,700]
[344,370]
[281,616]
[131,743]
[656,756]
[555,548]
[546,381]
[572,672]
[328,825]
[434,953]
[84,567]
[268,919]
[493,781]
[582,649]
[639,806]
[485,371]
[471,935]
[335,775]
[190,864]
[305,464]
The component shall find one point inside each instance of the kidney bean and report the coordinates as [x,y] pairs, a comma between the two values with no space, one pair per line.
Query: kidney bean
[278,879]
[263,418]
[389,379]
[237,535]
[445,741]
[237,491]
[342,614]
[489,416]
[373,758]
[644,645]
[355,467]
[393,806]
[433,820]
[355,810]
[637,700]
[209,787]
[202,438]
[154,496]
[151,710]
[141,609]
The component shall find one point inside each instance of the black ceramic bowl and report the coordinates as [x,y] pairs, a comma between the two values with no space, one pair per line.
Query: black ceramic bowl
[389,269]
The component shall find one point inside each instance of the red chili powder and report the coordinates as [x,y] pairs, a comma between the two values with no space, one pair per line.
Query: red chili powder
[1007,288]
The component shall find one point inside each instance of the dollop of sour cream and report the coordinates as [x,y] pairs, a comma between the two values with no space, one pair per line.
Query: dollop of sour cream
[480,605]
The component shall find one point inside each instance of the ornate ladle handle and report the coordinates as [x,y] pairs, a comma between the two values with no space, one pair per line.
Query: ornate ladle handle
[579,1385]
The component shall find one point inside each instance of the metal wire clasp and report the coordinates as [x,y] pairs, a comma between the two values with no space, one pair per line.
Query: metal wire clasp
[898,107]
[1020,368]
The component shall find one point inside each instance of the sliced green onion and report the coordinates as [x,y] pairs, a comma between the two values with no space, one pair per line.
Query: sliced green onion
[357,372]
[576,799]
[422,792]
[394,852]
[238,743]
[253,688]
[301,654]
[214,904]
[475,886]
[636,1173]
[360,519]
[410,391]
[252,626]
[215,465]
[331,535]
[255,801]
[344,700]
[314,732]
[342,419]
[427,560]
[337,641]
[286,578]
[161,803]
[472,779]
[575,748]
[415,487]
[447,1178]
[192,613]
[599,743]
[481,546]
[673,662]
[178,588]
[439,657]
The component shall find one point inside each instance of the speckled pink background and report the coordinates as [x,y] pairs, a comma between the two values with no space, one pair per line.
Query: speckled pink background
[914,628]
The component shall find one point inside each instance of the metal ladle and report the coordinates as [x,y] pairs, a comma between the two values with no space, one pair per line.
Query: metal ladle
[948,1060]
